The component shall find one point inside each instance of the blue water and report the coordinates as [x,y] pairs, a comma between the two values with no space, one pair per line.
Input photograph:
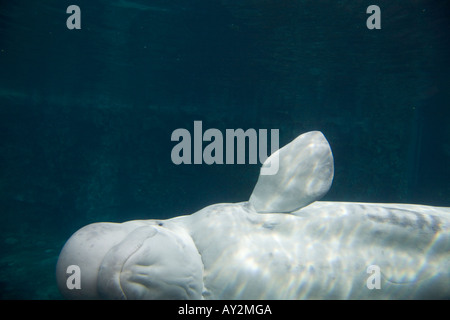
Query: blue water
[86,115]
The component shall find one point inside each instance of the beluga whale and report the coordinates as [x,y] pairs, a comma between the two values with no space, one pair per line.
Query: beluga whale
[283,243]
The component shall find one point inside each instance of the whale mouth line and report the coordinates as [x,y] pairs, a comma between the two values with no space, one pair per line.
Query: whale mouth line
[112,266]
[138,246]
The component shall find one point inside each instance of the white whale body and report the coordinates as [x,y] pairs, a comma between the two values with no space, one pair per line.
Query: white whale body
[281,244]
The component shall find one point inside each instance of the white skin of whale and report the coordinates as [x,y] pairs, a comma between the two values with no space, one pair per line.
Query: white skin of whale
[271,247]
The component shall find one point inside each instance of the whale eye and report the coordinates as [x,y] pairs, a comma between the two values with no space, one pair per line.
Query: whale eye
[160,224]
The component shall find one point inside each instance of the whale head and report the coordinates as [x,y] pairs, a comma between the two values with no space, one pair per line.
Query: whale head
[133,260]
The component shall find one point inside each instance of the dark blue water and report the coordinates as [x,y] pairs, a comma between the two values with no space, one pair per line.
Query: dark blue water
[86,115]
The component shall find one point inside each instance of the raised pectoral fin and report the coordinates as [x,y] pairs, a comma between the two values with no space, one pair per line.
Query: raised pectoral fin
[305,173]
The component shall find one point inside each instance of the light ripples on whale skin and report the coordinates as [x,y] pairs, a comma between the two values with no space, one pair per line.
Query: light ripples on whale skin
[397,238]
[321,251]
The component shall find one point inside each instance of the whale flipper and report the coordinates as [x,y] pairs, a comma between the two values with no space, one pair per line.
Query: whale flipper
[305,173]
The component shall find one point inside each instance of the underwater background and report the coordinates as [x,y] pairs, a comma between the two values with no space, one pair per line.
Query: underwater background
[86,116]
